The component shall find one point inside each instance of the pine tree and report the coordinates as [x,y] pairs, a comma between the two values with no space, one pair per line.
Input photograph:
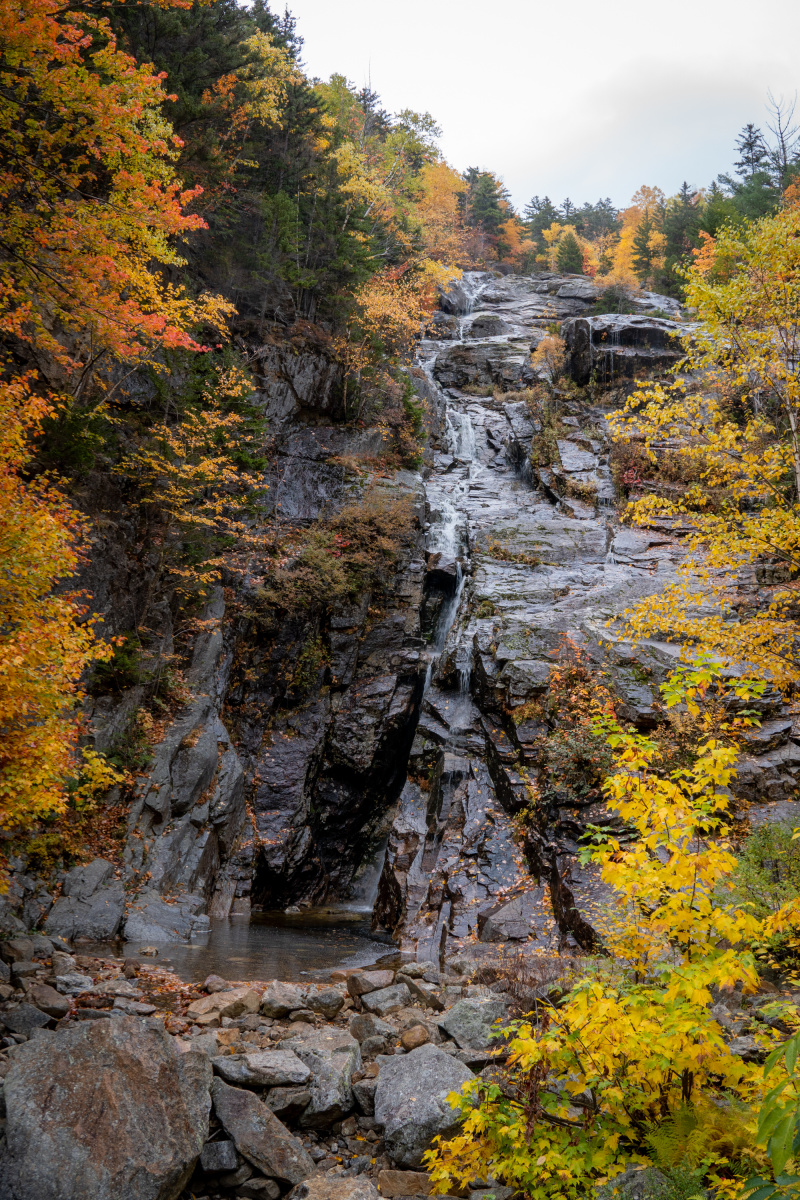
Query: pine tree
[753,154]
[569,259]
[642,251]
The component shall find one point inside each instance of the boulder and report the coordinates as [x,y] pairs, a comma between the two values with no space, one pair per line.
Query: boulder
[232,1003]
[18,949]
[74,983]
[103,1110]
[404,1183]
[422,992]
[92,903]
[288,1103]
[411,1101]
[219,1156]
[416,1036]
[469,1022]
[325,1001]
[387,1000]
[280,999]
[365,1025]
[364,1095]
[332,1057]
[24,1018]
[48,1000]
[259,1135]
[262,1068]
[369,981]
[325,1188]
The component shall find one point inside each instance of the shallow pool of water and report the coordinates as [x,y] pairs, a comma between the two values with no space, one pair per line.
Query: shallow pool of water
[290,946]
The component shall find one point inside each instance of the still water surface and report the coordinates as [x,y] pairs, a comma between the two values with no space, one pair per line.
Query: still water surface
[289,946]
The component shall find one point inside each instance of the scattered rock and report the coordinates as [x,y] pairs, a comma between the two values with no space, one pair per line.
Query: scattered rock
[107,1110]
[280,999]
[74,984]
[469,1022]
[332,1057]
[325,1001]
[18,949]
[416,1036]
[24,1018]
[369,981]
[423,992]
[411,1101]
[325,1188]
[259,1135]
[288,1103]
[387,1000]
[404,1183]
[231,1003]
[364,1095]
[262,1068]
[366,1025]
[48,1000]
[215,983]
[218,1157]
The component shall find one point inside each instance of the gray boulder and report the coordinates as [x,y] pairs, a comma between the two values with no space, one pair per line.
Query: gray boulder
[470,1022]
[364,1093]
[92,903]
[104,1110]
[24,1019]
[411,1100]
[325,1001]
[365,1025]
[280,999]
[332,1057]
[325,1188]
[262,1068]
[387,1000]
[259,1135]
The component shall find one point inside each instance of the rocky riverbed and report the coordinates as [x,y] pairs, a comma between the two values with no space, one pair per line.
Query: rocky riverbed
[120,1082]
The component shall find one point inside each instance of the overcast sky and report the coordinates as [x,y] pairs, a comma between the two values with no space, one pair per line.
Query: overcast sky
[575,98]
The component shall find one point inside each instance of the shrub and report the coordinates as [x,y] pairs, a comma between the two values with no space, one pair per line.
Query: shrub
[338,559]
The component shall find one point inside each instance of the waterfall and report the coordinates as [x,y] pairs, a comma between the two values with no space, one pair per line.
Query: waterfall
[460,435]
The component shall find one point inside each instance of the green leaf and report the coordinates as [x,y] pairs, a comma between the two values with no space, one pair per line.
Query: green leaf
[780,1144]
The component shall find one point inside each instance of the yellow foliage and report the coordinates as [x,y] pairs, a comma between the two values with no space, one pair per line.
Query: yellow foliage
[633,1045]
[739,435]
[45,643]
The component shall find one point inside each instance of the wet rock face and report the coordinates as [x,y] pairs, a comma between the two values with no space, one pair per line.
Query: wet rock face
[618,347]
[107,1110]
[92,903]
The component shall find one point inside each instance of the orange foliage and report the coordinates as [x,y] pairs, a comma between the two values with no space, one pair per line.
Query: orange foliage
[90,207]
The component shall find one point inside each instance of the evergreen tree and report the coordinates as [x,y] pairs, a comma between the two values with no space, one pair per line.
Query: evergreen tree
[752,151]
[569,258]
[681,229]
[642,250]
[539,215]
[487,200]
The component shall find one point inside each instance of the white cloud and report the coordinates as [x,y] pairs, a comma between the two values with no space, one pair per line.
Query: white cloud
[580,99]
